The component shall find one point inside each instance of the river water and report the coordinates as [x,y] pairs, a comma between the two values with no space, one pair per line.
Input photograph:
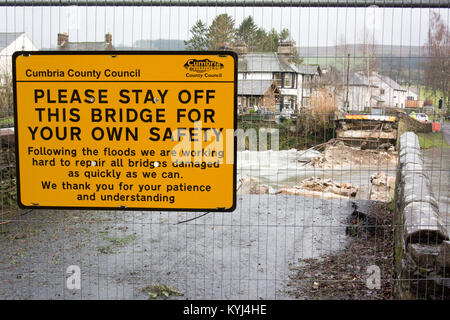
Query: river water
[279,169]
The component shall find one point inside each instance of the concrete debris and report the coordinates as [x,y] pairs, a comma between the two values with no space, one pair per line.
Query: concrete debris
[379,179]
[424,255]
[308,155]
[341,156]
[381,187]
[248,185]
[321,188]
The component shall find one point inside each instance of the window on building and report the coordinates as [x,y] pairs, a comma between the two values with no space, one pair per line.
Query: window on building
[277,77]
[410,98]
[381,91]
[288,80]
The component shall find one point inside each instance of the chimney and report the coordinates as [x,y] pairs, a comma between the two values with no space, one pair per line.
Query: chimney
[108,38]
[225,47]
[286,50]
[62,38]
[240,47]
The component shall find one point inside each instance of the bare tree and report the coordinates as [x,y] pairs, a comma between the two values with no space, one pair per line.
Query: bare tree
[343,49]
[370,61]
[437,66]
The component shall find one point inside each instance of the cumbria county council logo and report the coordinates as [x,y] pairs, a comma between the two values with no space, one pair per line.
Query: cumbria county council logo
[204,65]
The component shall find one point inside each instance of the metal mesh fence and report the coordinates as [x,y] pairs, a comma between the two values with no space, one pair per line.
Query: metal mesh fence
[324,198]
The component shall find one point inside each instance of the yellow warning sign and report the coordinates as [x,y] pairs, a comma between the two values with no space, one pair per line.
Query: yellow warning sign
[126,130]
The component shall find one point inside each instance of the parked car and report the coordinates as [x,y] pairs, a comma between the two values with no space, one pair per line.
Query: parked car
[422,117]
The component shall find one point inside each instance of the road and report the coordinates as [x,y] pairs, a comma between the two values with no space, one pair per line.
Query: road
[446,131]
[240,255]
[437,162]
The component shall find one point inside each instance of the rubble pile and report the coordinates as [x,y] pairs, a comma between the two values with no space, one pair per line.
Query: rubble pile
[248,185]
[381,187]
[321,188]
[341,156]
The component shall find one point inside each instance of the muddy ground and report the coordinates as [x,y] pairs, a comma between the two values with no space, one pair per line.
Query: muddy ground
[241,255]
[344,275]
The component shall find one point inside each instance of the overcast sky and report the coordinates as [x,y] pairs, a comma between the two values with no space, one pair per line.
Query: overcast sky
[308,26]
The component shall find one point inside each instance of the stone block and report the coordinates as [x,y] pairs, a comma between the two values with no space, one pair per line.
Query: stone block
[415,179]
[413,167]
[417,192]
[409,139]
[443,260]
[423,224]
[410,156]
[424,255]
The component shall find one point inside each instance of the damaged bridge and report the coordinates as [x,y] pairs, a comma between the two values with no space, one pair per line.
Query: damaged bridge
[368,131]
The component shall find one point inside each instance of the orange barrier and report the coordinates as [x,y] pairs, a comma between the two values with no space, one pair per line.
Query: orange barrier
[370,117]
[435,126]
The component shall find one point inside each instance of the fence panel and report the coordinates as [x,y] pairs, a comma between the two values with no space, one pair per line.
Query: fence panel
[331,203]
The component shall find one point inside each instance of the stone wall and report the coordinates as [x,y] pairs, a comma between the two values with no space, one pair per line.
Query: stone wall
[414,125]
[422,249]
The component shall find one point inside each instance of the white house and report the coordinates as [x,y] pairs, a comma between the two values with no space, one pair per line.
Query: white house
[11,42]
[374,92]
[412,94]
[388,93]
[359,93]
[294,82]
[269,66]
[307,82]
[63,44]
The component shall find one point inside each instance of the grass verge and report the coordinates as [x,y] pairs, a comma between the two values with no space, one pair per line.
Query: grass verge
[432,140]
[4,122]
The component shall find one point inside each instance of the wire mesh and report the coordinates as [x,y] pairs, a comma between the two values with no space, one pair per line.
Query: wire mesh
[319,211]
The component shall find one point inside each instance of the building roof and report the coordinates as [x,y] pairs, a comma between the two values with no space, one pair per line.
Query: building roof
[6,38]
[413,91]
[394,85]
[253,87]
[263,62]
[357,79]
[85,46]
[272,62]
[307,69]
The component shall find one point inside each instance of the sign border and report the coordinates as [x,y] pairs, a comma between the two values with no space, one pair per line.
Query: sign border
[125,52]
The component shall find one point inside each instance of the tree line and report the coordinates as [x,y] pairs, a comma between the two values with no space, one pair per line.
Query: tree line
[222,33]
